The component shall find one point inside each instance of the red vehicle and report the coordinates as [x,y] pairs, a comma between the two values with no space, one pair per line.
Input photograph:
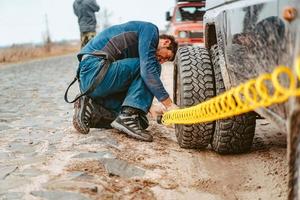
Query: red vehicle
[186,22]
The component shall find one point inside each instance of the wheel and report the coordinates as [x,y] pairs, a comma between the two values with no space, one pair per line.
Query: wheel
[294,155]
[193,83]
[296,173]
[235,134]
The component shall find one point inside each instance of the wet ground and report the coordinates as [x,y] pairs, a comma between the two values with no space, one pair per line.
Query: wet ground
[43,157]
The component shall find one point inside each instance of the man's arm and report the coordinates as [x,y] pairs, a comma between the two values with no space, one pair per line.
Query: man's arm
[75,9]
[149,65]
[94,6]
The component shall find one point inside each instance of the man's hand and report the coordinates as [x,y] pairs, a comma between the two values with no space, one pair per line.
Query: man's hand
[159,110]
[172,107]
[169,105]
[156,110]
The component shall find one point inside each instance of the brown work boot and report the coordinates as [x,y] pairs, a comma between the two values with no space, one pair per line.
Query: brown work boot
[101,117]
[82,114]
[88,114]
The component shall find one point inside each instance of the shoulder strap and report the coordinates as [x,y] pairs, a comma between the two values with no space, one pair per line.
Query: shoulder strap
[99,53]
[106,62]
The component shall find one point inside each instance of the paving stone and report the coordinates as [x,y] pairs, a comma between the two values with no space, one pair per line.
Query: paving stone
[6,171]
[78,175]
[58,195]
[12,196]
[22,147]
[31,160]
[99,140]
[75,174]
[72,185]
[121,168]
[4,155]
[96,155]
[32,172]
[56,138]
[12,183]
[4,128]
[51,149]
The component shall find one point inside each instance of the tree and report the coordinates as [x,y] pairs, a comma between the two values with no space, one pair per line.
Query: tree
[103,19]
[47,38]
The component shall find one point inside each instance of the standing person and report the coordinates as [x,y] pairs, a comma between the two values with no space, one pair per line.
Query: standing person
[127,58]
[85,11]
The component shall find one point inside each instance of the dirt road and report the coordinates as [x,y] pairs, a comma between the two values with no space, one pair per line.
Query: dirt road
[43,157]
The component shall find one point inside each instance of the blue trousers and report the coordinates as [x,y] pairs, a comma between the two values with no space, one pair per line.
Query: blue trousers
[122,85]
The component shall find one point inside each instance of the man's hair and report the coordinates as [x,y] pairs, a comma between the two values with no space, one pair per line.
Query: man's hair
[173,45]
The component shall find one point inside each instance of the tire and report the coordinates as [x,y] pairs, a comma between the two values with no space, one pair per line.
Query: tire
[294,155]
[232,135]
[296,173]
[193,83]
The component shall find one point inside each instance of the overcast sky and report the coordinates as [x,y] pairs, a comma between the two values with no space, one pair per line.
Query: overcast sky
[24,21]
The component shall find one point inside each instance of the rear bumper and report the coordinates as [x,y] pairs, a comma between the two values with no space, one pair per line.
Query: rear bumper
[190,41]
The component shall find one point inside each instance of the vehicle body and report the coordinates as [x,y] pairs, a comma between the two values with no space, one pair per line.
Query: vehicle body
[243,39]
[186,22]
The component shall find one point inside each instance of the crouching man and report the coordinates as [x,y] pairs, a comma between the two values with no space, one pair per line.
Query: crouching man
[119,74]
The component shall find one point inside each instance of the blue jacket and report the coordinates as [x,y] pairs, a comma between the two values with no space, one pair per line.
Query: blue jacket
[133,39]
[85,11]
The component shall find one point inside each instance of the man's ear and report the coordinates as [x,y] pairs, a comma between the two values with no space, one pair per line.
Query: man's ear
[166,42]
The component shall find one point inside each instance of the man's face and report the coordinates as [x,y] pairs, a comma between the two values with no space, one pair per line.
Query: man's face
[163,54]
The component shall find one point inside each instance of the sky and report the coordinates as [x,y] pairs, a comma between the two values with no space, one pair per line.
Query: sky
[24,21]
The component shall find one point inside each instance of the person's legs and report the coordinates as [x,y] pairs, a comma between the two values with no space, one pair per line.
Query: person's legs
[135,99]
[86,37]
[138,95]
[88,112]
[113,102]
[121,86]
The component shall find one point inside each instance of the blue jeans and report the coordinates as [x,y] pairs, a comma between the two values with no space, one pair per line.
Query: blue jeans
[121,86]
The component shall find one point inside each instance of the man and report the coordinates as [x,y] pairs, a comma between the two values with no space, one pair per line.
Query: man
[85,11]
[125,93]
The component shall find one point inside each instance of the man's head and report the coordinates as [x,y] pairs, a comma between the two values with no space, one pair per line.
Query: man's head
[167,48]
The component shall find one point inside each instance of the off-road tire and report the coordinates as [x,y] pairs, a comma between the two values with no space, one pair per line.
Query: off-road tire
[296,173]
[294,156]
[193,84]
[232,135]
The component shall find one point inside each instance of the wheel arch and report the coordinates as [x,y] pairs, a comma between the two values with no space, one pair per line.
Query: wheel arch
[210,35]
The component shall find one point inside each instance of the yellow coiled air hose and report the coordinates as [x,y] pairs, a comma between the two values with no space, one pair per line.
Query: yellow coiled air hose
[266,90]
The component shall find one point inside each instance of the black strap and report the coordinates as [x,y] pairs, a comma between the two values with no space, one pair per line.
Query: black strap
[106,62]
[99,53]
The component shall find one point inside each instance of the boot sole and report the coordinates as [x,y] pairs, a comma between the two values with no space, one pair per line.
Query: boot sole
[78,128]
[76,122]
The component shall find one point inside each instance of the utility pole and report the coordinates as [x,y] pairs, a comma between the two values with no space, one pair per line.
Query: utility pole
[47,36]
[106,17]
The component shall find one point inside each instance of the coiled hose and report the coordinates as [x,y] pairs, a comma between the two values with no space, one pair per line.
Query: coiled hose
[263,91]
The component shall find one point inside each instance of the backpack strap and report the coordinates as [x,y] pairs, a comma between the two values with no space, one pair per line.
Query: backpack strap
[107,60]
